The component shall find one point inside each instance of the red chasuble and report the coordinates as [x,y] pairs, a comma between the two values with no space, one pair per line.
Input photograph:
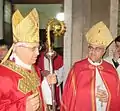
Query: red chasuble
[79,90]
[16,84]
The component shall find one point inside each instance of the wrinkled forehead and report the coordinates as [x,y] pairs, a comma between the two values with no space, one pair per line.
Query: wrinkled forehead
[94,46]
[30,45]
[33,45]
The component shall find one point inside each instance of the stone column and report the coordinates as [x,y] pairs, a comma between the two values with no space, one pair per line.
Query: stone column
[77,19]
[68,36]
[114,13]
[114,6]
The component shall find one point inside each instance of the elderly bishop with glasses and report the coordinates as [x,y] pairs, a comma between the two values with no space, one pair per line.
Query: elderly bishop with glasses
[92,83]
[20,79]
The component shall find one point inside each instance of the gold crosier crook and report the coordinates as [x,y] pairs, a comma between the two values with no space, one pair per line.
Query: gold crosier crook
[58,28]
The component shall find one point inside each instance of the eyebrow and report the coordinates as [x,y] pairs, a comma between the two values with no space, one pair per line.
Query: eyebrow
[96,46]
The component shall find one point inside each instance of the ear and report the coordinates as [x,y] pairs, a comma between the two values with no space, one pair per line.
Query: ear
[17,49]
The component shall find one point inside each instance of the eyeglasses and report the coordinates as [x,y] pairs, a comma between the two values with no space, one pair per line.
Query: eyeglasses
[33,49]
[97,49]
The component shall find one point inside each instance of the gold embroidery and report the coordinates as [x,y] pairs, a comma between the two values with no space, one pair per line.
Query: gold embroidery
[93,91]
[73,81]
[29,81]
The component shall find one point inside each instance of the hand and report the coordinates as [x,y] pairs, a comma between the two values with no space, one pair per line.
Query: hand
[33,102]
[102,95]
[45,73]
[51,79]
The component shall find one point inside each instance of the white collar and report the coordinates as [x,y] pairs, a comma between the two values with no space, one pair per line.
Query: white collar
[94,63]
[19,62]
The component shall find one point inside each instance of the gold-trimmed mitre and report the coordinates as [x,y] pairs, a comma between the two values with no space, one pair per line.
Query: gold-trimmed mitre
[25,29]
[99,34]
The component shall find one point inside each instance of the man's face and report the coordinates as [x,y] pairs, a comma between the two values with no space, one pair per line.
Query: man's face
[3,51]
[117,46]
[28,54]
[95,52]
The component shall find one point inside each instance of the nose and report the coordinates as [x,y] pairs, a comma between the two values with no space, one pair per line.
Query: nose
[37,51]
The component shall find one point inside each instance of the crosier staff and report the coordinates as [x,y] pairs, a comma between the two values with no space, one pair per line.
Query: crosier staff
[58,28]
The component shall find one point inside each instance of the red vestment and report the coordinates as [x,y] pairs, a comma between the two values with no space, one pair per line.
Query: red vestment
[57,63]
[79,89]
[11,98]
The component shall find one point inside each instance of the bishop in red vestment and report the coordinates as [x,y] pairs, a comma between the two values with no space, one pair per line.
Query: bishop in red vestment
[93,84]
[20,79]
[79,91]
